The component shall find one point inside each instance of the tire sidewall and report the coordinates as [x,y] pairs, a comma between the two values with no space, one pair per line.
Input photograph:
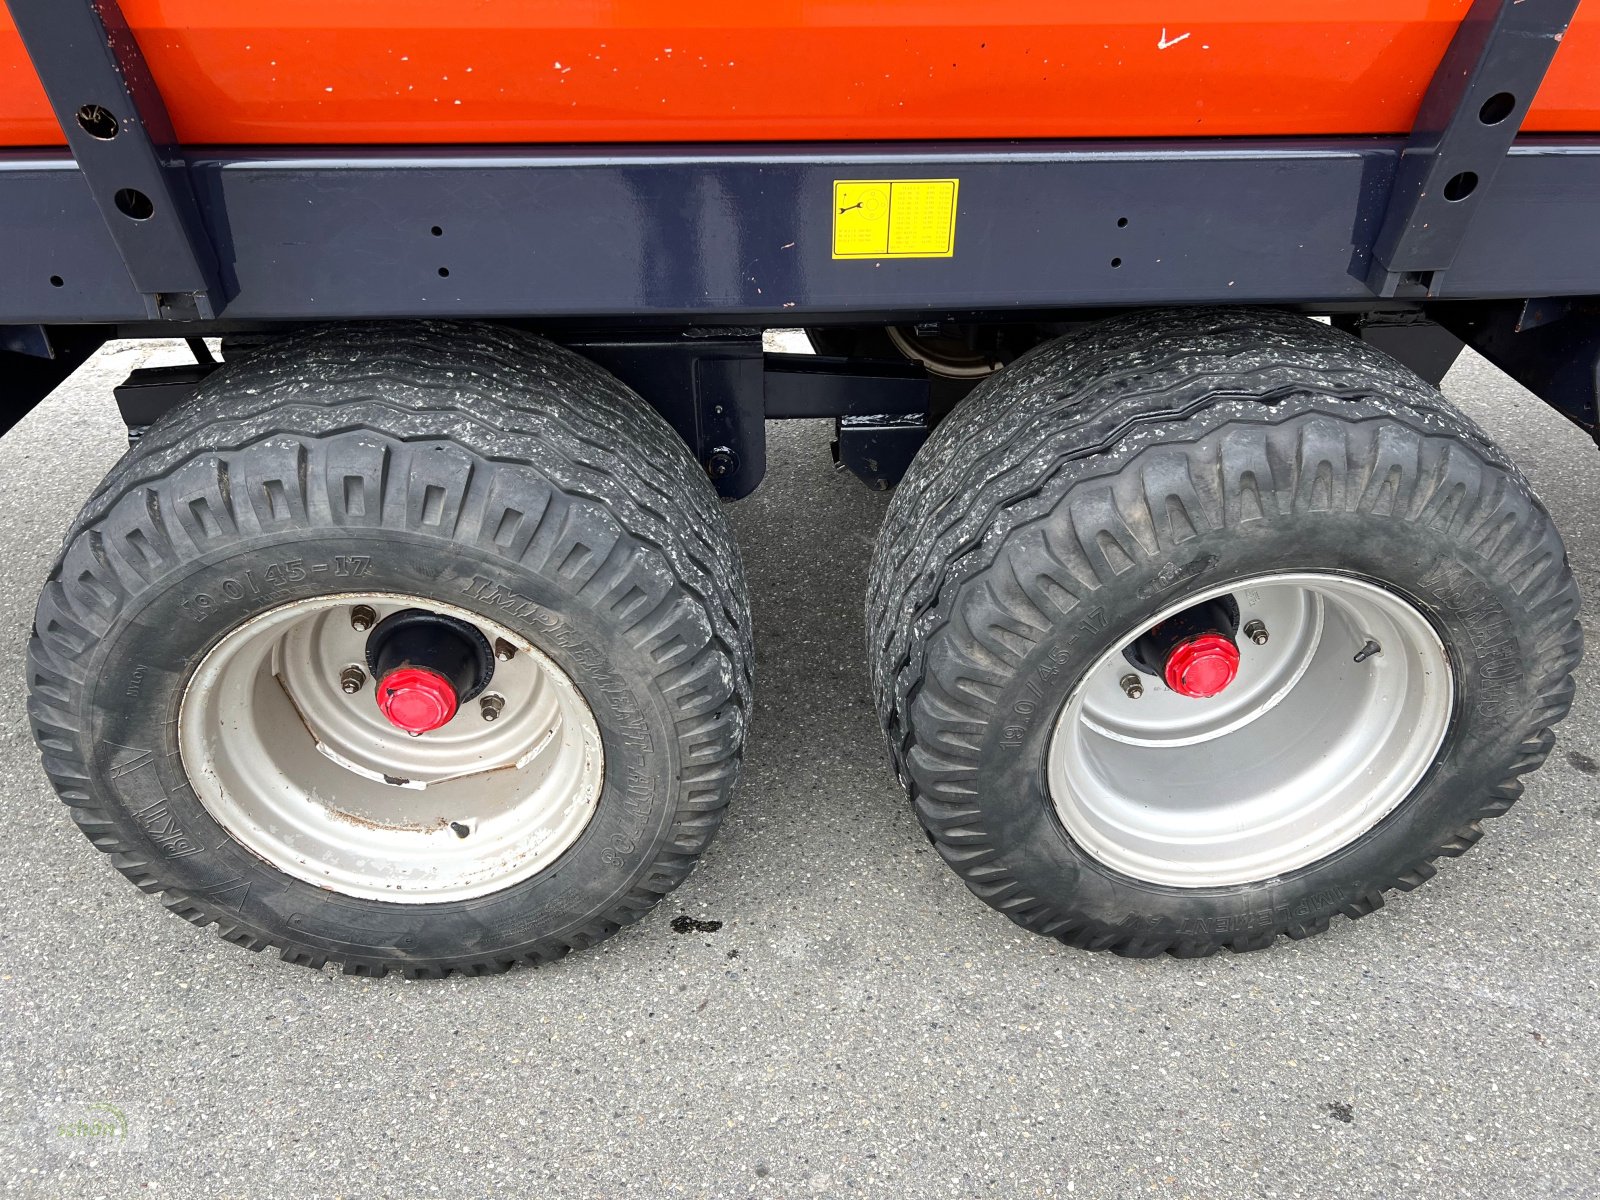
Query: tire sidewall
[144,661]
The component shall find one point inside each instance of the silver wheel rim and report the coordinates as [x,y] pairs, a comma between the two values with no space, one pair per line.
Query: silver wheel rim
[1306,750]
[319,784]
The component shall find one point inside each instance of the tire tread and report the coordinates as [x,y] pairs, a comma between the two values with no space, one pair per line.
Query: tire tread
[948,616]
[443,409]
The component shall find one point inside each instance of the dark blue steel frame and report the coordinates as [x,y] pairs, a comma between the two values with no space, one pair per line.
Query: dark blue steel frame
[109,107]
[743,234]
[1468,120]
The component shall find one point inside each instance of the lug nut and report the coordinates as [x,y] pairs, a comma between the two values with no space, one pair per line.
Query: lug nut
[491,705]
[362,618]
[1256,632]
[504,651]
[1132,686]
[352,680]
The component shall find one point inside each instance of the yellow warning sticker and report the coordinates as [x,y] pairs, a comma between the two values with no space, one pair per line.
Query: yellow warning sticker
[894,218]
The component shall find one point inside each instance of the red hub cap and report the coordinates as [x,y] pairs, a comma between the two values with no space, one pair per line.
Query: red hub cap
[1202,666]
[416,699]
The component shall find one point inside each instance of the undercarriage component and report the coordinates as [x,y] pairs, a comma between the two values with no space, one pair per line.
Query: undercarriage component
[879,449]
[1551,347]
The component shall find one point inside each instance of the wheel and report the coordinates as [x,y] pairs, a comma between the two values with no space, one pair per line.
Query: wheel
[413,647]
[1193,629]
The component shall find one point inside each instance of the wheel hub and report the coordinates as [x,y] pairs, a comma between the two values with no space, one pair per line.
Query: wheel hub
[416,699]
[1202,666]
[426,664]
[1193,650]
[1229,761]
[341,788]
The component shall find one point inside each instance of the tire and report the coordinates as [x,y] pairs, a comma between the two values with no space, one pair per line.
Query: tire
[1132,468]
[474,466]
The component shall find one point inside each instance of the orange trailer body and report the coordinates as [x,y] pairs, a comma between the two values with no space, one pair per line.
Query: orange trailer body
[315,72]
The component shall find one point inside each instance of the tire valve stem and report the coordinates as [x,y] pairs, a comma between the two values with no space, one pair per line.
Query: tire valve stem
[362,618]
[504,651]
[1368,651]
[1256,632]
[490,706]
[352,680]
[1132,686]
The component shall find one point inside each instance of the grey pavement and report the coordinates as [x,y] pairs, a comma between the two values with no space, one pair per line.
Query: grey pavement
[859,1025]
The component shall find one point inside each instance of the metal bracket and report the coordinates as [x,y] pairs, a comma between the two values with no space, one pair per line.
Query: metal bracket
[707,384]
[1426,347]
[111,111]
[1550,347]
[879,450]
[1469,118]
[35,360]
[148,394]
[800,386]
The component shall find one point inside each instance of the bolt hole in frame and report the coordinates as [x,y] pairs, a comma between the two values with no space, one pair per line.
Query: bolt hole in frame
[131,202]
[97,121]
[1497,108]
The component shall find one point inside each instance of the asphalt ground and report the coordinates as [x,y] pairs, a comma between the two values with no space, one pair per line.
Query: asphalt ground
[858,1025]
